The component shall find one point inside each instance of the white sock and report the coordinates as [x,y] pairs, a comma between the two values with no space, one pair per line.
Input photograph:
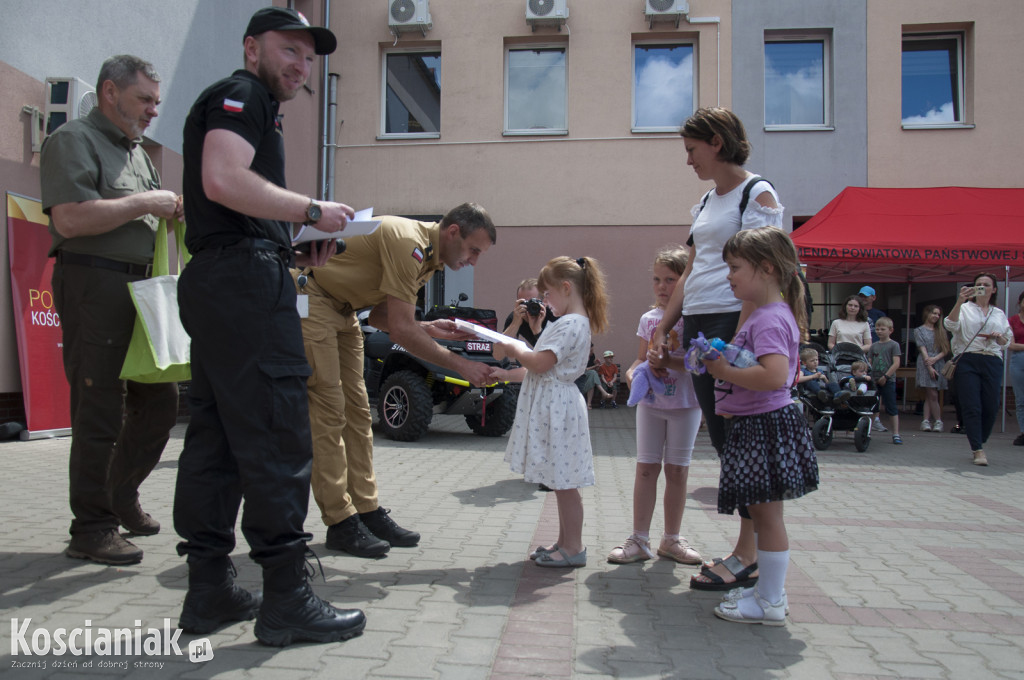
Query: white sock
[771,567]
[670,537]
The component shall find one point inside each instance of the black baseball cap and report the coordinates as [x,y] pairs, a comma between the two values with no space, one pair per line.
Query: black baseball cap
[284,19]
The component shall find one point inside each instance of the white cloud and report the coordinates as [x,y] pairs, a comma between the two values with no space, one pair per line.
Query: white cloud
[794,97]
[943,114]
[664,92]
[536,91]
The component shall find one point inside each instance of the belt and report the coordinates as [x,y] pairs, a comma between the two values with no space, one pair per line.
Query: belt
[64,257]
[281,251]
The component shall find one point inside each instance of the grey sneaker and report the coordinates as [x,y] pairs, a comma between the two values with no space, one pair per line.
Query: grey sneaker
[105,546]
[877,425]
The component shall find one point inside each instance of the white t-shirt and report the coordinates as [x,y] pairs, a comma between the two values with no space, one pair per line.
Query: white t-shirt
[707,289]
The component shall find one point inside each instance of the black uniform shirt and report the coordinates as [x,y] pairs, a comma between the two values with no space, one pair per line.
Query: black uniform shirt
[243,105]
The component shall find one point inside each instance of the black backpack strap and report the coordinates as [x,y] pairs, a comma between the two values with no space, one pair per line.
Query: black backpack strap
[703,202]
[745,198]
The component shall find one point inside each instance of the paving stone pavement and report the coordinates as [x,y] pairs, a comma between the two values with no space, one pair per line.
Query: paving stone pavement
[908,562]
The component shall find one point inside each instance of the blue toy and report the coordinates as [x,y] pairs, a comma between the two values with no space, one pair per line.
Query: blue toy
[701,348]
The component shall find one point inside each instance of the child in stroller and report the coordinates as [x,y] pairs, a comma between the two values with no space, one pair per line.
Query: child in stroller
[859,381]
[845,368]
[813,382]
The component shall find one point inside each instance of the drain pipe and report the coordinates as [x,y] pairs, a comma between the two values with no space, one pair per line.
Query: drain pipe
[327,102]
[331,143]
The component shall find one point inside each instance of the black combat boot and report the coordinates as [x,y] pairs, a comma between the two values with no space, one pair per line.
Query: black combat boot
[353,537]
[385,528]
[213,599]
[291,611]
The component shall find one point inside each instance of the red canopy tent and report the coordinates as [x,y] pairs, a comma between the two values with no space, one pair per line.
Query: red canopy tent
[917,234]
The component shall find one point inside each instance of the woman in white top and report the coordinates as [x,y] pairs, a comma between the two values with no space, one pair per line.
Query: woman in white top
[980,332]
[851,326]
[716,148]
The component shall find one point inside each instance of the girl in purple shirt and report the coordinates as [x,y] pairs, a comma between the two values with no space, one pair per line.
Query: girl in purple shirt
[768,456]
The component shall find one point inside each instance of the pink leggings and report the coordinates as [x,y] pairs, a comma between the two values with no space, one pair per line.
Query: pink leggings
[666,435]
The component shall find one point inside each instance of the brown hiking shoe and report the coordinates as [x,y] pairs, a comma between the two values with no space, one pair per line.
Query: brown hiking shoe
[137,521]
[106,546]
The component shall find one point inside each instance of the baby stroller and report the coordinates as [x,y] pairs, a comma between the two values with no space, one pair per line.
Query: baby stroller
[853,414]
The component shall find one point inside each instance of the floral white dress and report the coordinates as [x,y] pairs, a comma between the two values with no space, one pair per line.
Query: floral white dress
[550,440]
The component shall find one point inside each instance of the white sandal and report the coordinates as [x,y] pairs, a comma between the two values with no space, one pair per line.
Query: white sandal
[771,614]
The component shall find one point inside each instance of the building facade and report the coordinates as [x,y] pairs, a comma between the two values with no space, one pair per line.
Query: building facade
[567,131]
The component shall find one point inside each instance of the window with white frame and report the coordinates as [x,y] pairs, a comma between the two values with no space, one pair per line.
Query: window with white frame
[412,94]
[933,80]
[536,99]
[797,81]
[664,76]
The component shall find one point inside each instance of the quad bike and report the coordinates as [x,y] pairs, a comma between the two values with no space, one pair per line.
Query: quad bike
[407,391]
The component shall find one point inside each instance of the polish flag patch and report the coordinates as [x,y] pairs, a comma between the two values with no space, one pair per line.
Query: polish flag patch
[233,106]
[417,255]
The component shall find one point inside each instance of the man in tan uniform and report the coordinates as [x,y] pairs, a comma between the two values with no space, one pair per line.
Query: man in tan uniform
[383,270]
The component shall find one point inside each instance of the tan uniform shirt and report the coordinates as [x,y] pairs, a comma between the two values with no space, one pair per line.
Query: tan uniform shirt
[397,260]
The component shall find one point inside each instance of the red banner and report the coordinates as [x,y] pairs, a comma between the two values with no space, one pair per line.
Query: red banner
[35,319]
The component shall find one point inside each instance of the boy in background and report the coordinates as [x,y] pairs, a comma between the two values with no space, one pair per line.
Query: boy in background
[609,374]
[884,359]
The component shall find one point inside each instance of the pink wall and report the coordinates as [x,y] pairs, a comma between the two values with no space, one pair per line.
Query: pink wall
[985,155]
[601,190]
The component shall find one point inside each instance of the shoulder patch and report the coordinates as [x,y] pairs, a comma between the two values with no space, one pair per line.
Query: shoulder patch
[233,105]
[417,255]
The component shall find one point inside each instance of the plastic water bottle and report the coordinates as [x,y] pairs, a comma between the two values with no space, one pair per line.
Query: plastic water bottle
[740,357]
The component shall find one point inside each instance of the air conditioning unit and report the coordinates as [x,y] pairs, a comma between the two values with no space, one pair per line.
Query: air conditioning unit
[665,10]
[546,13]
[67,99]
[409,15]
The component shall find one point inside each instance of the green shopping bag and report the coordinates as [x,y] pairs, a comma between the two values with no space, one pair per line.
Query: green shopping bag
[159,349]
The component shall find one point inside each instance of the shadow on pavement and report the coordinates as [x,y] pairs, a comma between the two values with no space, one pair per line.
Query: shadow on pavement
[663,628]
[504,491]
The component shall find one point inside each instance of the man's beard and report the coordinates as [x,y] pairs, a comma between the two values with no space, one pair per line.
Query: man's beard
[273,83]
[134,126]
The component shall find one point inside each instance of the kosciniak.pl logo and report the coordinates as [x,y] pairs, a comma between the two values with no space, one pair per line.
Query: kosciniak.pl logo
[86,640]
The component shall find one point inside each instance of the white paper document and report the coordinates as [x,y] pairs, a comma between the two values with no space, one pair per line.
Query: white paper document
[361,223]
[487,334]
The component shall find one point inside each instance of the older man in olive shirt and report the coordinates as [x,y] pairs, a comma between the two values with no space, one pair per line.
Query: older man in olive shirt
[104,200]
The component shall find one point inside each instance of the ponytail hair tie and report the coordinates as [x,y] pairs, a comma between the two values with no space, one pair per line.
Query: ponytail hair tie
[582,262]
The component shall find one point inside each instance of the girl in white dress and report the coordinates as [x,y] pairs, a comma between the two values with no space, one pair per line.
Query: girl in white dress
[550,440]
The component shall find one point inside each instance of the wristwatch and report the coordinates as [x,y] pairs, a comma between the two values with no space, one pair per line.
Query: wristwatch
[313,212]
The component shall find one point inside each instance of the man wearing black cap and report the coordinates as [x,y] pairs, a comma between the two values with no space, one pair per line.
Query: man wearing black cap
[249,435]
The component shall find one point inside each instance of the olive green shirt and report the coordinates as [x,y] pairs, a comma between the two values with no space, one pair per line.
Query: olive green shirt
[88,159]
[397,259]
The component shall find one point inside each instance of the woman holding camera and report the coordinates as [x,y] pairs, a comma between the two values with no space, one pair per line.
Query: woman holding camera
[980,333]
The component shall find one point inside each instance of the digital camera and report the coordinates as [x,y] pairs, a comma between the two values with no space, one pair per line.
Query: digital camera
[534,306]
